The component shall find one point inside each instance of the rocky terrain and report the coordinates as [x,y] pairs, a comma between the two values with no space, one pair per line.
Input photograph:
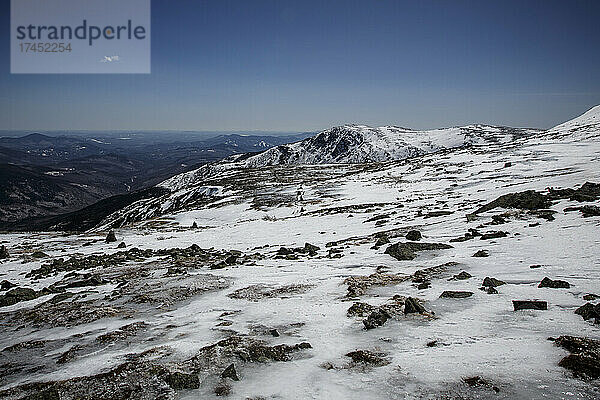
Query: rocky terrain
[463,268]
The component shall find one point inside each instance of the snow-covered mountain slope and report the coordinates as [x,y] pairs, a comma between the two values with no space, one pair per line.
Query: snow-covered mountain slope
[168,314]
[587,124]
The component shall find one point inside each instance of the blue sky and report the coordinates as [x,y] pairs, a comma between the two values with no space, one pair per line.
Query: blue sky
[295,66]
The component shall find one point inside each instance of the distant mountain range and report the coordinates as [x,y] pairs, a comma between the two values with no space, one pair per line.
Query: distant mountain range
[43,175]
[347,144]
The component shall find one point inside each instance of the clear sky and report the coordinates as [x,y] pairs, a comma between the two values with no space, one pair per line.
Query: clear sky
[308,65]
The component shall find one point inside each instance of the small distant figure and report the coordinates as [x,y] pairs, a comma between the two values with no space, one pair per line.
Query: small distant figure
[3,252]
[194,225]
[110,238]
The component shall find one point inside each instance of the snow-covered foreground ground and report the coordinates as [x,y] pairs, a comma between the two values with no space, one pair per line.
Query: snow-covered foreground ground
[426,355]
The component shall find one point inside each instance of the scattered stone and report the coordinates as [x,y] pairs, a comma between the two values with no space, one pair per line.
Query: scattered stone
[412,305]
[535,266]
[589,311]
[439,213]
[413,235]
[110,238]
[481,253]
[274,332]
[17,295]
[493,235]
[181,380]
[121,245]
[529,305]
[489,289]
[258,292]
[590,211]
[359,309]
[39,254]
[222,389]
[492,282]
[433,343]
[584,360]
[498,220]
[407,251]
[507,164]
[368,357]
[376,319]
[463,275]
[527,200]
[230,372]
[3,253]
[5,285]
[358,285]
[554,284]
[424,285]
[477,381]
[454,294]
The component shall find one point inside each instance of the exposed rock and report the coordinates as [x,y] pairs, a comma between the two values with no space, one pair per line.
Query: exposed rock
[439,213]
[424,285]
[591,297]
[455,294]
[5,285]
[230,372]
[493,235]
[121,245]
[180,380]
[589,311]
[463,275]
[489,289]
[381,240]
[590,211]
[535,266]
[17,295]
[359,309]
[492,282]
[587,192]
[376,318]
[481,253]
[412,305]
[110,238]
[413,235]
[195,225]
[527,200]
[477,381]
[223,389]
[39,254]
[554,284]
[358,285]
[258,292]
[274,332]
[407,251]
[3,252]
[368,357]
[529,305]
[584,361]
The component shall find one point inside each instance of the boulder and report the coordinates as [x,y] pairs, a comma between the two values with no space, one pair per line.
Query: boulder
[481,253]
[376,319]
[413,235]
[5,285]
[455,294]
[493,235]
[407,251]
[412,305]
[230,372]
[3,253]
[368,357]
[554,284]
[589,311]
[17,295]
[463,275]
[180,381]
[529,305]
[110,238]
[492,282]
